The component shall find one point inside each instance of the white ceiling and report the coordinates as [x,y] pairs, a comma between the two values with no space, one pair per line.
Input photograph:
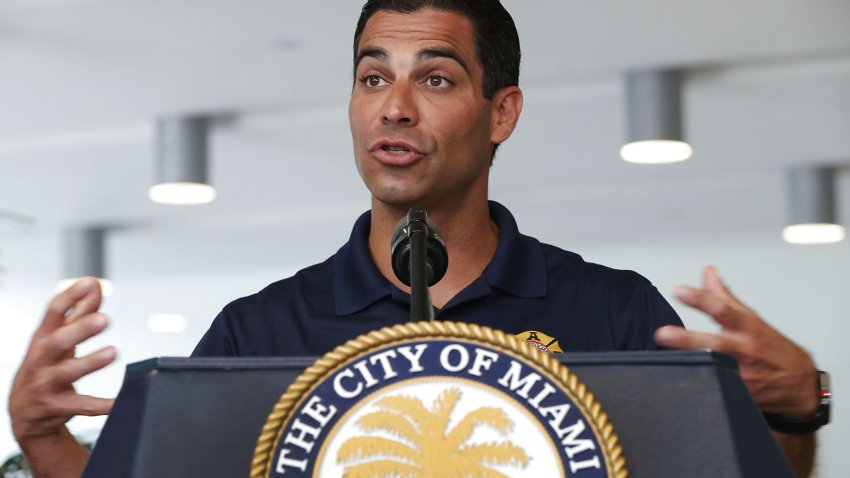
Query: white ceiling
[81,81]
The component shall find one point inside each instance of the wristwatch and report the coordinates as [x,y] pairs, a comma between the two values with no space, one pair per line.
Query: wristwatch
[810,424]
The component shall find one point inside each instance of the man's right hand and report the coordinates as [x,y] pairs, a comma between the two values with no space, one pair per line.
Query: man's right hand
[43,397]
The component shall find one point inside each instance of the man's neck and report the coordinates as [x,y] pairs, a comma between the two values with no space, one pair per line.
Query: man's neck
[470,236]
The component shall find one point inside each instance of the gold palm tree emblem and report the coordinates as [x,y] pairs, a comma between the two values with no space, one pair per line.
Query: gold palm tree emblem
[422,447]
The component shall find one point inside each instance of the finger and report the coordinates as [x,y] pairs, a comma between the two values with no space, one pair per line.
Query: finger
[675,337]
[86,405]
[712,282]
[89,304]
[58,344]
[726,312]
[72,370]
[59,306]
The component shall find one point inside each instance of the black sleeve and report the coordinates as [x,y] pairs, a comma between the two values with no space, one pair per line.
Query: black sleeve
[636,310]
[217,342]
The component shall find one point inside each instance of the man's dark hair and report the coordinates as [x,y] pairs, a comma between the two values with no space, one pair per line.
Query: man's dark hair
[496,38]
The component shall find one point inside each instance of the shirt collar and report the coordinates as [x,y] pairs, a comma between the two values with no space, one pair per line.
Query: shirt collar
[518,266]
[357,282]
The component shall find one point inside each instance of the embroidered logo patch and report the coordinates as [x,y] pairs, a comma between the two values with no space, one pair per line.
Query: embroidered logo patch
[438,399]
[544,342]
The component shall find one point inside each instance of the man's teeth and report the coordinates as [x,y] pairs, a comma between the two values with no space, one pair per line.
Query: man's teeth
[395,149]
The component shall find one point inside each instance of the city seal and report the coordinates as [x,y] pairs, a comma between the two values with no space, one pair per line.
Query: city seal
[435,400]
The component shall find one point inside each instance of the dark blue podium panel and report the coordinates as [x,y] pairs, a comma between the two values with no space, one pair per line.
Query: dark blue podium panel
[678,414]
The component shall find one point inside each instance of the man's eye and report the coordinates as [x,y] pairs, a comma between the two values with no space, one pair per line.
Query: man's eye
[437,81]
[373,81]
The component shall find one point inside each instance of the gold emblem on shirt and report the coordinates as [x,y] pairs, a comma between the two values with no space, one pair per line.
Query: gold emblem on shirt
[542,341]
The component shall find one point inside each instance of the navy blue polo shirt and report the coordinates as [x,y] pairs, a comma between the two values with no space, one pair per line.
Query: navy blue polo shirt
[548,296]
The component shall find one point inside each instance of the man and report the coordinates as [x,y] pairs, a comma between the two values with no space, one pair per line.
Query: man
[435,93]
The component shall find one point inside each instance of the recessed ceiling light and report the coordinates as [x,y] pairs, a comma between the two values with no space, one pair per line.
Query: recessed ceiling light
[182,194]
[656,152]
[813,233]
[181,166]
[167,323]
[812,217]
[85,256]
[654,114]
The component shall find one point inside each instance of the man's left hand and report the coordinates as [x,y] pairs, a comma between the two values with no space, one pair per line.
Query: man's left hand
[780,375]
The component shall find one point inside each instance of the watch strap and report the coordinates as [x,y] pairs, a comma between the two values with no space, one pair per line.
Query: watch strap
[810,424]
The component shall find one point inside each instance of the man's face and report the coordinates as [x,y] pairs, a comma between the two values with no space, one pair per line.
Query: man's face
[422,130]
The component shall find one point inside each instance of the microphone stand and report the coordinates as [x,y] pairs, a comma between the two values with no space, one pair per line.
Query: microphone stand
[420,298]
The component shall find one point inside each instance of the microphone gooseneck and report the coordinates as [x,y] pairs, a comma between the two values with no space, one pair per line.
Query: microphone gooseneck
[419,260]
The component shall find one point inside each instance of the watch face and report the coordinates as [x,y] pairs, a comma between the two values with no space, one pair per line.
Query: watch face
[824,390]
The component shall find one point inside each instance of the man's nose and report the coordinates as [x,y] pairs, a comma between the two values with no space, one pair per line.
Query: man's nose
[400,106]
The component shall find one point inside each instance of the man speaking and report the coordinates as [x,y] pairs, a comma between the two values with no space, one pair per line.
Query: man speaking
[435,92]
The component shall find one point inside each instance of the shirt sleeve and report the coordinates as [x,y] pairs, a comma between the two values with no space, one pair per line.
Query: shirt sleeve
[217,342]
[636,310]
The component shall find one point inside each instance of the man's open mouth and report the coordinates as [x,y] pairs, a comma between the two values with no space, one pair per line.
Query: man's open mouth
[395,148]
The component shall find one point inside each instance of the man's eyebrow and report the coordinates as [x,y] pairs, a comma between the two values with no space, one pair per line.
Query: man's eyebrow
[430,53]
[377,53]
[383,56]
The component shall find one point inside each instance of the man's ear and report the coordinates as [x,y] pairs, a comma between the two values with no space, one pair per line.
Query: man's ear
[507,106]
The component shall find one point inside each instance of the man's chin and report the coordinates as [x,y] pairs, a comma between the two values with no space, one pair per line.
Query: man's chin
[400,199]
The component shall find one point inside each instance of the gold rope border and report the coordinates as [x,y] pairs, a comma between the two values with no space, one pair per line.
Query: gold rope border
[444,330]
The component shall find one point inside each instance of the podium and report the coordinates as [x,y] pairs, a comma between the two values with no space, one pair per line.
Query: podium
[677,413]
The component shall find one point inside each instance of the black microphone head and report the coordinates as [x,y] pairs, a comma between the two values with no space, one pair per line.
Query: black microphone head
[437,257]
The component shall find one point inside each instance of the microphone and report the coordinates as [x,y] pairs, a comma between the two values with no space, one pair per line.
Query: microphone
[419,260]
[436,256]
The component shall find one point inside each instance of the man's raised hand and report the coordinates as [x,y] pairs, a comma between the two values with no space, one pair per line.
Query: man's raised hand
[780,375]
[43,397]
